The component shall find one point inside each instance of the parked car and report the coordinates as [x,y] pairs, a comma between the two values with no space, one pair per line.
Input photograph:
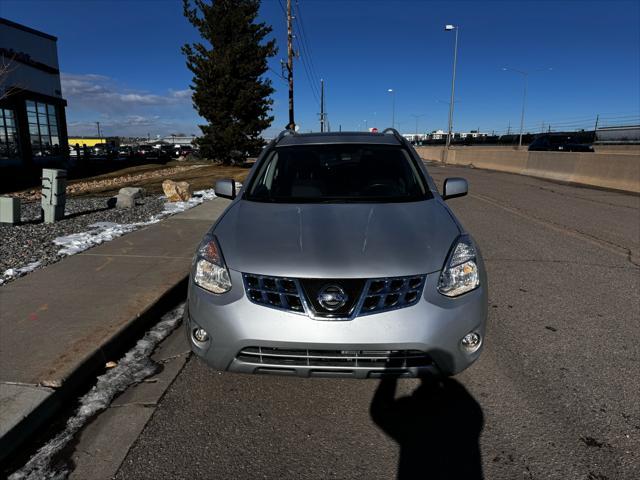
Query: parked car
[126,152]
[558,143]
[182,150]
[338,257]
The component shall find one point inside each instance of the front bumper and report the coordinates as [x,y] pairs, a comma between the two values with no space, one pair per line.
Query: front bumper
[251,338]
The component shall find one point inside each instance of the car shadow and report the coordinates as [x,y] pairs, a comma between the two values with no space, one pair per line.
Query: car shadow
[437,428]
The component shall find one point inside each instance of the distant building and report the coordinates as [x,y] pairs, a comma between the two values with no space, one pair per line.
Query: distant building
[438,135]
[179,140]
[472,134]
[33,125]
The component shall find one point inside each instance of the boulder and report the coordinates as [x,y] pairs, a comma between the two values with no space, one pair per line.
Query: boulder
[176,191]
[137,192]
[127,197]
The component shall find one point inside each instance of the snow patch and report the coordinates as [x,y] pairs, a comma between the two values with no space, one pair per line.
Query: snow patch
[18,272]
[134,367]
[106,231]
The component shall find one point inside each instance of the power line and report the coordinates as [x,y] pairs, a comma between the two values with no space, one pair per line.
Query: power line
[277,74]
[305,39]
[307,59]
[310,79]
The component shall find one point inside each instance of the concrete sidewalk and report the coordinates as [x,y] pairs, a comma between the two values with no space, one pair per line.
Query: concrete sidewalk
[60,324]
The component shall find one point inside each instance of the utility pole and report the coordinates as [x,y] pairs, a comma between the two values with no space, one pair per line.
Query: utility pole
[292,123]
[595,128]
[321,105]
[98,124]
[509,128]
[417,117]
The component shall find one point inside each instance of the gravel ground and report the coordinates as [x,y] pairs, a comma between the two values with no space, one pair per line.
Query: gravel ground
[32,241]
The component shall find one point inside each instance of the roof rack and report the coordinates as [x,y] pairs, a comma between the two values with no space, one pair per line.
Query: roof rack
[395,133]
[283,134]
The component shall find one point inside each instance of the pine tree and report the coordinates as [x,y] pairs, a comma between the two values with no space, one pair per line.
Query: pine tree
[228,89]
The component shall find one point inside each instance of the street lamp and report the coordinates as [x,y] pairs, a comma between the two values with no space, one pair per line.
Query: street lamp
[448,28]
[525,76]
[393,107]
[365,125]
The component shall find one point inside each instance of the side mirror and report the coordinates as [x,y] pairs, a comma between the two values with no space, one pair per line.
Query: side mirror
[226,188]
[454,187]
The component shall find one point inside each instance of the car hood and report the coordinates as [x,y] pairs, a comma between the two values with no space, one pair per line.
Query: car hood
[351,240]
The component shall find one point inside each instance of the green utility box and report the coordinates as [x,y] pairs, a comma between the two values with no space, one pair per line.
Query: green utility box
[9,210]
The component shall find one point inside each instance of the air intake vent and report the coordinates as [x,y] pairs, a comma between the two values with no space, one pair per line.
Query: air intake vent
[276,292]
[390,293]
[370,359]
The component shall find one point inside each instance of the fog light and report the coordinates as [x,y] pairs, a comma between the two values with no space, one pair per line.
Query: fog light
[471,342]
[200,334]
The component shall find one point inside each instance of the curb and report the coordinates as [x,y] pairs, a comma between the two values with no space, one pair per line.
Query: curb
[79,380]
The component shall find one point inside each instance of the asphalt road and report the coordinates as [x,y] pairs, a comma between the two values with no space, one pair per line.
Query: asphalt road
[556,394]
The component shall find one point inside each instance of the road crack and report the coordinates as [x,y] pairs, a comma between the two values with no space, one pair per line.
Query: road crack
[608,245]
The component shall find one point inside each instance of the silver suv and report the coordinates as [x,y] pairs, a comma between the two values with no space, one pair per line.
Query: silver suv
[338,258]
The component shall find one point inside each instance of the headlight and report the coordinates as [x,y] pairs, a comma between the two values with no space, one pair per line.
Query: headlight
[460,273]
[211,271]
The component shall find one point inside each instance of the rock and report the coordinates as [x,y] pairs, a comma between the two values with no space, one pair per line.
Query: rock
[176,191]
[134,191]
[127,197]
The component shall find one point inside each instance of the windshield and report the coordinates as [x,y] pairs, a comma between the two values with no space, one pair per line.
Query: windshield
[338,173]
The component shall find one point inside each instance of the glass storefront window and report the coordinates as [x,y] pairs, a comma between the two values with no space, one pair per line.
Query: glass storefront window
[8,135]
[43,128]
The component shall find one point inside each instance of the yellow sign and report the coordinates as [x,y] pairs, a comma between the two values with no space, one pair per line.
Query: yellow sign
[89,142]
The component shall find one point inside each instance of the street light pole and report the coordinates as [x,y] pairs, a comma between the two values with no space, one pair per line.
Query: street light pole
[453,81]
[524,102]
[393,107]
[525,76]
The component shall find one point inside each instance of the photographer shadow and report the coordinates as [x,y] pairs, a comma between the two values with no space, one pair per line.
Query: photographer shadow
[437,428]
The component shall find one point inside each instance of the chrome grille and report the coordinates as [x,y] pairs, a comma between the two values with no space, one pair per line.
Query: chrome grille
[382,294]
[276,292]
[370,359]
[378,295]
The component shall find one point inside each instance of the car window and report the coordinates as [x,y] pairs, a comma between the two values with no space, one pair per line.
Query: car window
[338,173]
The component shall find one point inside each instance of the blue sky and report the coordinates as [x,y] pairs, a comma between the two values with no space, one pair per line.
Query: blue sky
[122,64]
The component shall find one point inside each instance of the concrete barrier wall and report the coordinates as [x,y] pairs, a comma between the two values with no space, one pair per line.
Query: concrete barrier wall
[619,171]
[599,148]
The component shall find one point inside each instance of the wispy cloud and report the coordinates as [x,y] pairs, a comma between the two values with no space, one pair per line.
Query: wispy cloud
[95,89]
[124,111]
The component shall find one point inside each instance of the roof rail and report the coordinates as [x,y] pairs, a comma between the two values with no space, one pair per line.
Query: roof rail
[395,133]
[283,134]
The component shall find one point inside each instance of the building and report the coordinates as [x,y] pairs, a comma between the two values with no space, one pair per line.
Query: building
[33,125]
[179,140]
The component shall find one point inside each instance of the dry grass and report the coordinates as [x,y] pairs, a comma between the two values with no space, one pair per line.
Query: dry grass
[150,177]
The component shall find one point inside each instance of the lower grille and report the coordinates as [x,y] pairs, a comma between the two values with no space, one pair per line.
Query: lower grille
[372,359]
